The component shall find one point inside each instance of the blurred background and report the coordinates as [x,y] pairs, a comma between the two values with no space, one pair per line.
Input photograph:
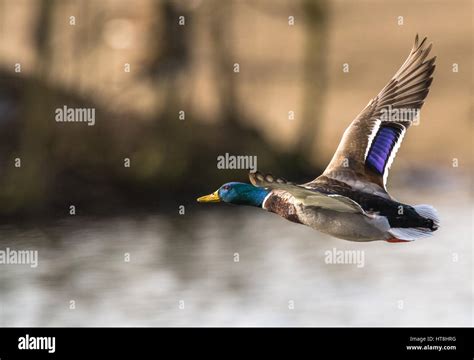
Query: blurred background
[162,77]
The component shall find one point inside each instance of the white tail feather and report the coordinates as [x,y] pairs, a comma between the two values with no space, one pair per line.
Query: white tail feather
[429,212]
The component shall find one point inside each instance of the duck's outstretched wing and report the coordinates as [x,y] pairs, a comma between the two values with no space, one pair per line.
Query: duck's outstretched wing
[369,145]
[308,197]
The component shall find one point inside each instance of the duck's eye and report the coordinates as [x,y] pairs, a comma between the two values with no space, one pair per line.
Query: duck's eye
[226,187]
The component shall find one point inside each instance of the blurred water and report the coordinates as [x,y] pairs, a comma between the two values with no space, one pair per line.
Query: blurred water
[190,258]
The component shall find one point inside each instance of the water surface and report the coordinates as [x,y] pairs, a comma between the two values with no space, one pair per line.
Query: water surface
[182,271]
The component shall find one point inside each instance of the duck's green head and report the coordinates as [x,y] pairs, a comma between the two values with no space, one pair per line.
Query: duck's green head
[237,193]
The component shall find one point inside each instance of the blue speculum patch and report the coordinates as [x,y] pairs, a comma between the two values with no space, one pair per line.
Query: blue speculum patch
[382,146]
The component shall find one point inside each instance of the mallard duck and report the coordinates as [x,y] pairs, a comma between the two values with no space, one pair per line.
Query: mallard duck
[350,199]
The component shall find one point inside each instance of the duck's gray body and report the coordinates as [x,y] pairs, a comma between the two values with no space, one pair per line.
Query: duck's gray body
[364,225]
[343,225]
[355,227]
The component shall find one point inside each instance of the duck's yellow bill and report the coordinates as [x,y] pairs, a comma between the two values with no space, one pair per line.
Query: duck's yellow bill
[214,197]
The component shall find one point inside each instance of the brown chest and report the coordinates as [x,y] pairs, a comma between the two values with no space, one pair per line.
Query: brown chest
[283,204]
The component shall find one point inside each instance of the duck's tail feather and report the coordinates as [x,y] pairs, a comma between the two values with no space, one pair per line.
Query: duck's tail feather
[411,234]
[428,212]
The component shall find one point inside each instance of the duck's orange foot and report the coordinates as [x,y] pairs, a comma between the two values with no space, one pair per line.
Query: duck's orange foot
[395,240]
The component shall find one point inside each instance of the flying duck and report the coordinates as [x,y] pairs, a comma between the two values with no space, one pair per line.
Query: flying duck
[350,199]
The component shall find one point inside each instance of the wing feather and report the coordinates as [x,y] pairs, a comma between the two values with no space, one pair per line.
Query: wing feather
[405,92]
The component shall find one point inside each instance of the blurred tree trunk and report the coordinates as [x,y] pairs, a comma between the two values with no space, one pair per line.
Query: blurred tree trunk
[314,74]
[172,57]
[221,32]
